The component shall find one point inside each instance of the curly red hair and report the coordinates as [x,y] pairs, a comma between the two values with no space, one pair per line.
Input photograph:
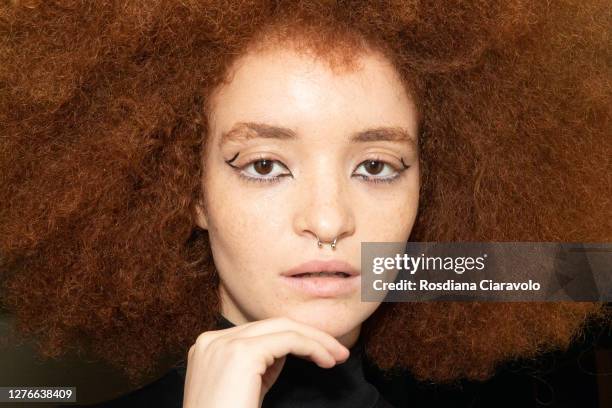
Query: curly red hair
[103,118]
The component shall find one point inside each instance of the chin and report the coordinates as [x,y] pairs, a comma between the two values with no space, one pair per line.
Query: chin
[335,318]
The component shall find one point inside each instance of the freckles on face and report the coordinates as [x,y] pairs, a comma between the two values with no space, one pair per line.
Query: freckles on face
[297,152]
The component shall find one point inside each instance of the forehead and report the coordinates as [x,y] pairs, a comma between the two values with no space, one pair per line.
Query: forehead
[283,87]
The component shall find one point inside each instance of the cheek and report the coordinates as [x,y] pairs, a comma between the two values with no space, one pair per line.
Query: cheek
[389,217]
[244,220]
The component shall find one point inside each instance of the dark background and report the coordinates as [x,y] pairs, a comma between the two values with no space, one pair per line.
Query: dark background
[578,378]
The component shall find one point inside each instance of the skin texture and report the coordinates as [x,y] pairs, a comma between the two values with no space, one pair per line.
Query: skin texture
[259,230]
[104,120]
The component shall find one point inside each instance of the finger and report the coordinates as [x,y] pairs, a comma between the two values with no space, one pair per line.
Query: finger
[275,325]
[279,344]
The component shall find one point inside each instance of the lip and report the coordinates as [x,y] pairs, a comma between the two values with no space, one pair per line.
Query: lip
[327,286]
[323,266]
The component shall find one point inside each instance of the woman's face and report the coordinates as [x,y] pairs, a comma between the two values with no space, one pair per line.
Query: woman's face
[295,152]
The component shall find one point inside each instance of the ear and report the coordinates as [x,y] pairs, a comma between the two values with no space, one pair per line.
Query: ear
[200,215]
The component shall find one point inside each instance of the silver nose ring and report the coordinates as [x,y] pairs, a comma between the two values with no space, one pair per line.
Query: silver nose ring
[333,243]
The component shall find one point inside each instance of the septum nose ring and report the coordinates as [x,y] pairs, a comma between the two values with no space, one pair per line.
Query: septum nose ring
[333,243]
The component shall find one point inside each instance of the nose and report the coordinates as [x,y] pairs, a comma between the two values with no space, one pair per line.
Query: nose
[326,212]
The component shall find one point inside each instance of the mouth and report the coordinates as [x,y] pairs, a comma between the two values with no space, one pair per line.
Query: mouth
[323,269]
[322,274]
[323,279]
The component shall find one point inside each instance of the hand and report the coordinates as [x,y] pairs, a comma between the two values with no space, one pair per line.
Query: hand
[236,367]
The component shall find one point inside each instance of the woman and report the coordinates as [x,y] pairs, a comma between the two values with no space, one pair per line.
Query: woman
[170,166]
[300,156]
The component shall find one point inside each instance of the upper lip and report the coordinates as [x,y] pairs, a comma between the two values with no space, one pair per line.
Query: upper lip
[323,266]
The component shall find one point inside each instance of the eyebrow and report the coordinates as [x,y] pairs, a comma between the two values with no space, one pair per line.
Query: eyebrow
[251,130]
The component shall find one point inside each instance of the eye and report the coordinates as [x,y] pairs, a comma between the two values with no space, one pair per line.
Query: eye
[376,170]
[269,171]
[265,169]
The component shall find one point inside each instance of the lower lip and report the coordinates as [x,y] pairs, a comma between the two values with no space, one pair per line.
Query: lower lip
[324,286]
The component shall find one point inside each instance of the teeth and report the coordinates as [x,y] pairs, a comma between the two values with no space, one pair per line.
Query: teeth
[342,274]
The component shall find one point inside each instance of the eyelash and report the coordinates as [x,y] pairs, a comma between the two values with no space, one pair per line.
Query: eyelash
[387,180]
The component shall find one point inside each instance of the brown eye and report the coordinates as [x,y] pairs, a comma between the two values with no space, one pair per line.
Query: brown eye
[263,166]
[376,170]
[374,166]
